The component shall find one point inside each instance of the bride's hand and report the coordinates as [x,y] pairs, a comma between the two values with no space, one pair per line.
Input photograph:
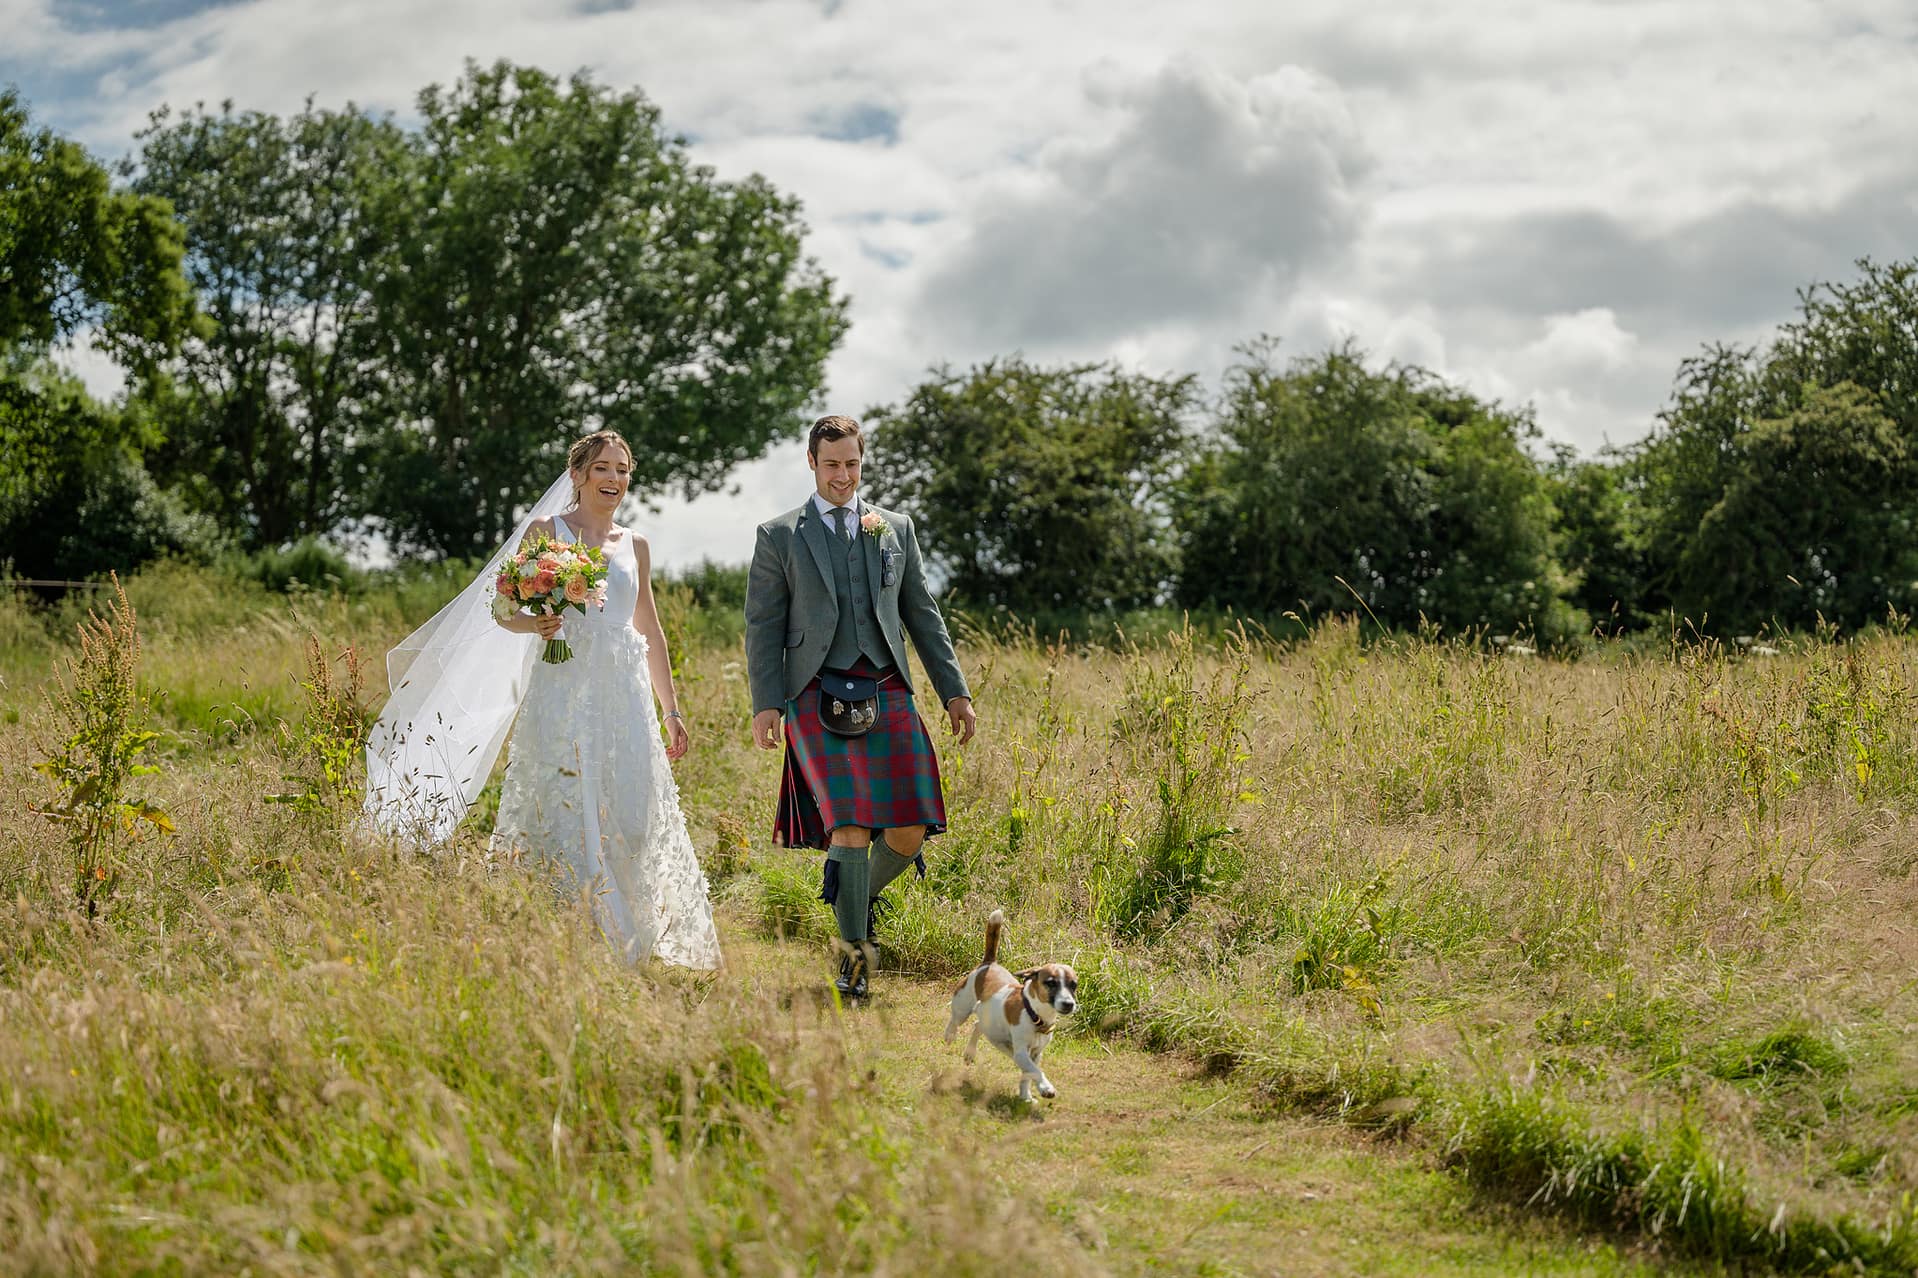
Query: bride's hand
[546,624]
[678,740]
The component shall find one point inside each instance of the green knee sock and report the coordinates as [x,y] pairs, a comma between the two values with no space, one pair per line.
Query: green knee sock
[887,864]
[855,877]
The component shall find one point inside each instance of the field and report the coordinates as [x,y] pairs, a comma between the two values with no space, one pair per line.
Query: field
[1398,955]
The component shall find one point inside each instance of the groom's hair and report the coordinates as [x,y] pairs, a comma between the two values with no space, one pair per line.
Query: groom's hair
[834,427]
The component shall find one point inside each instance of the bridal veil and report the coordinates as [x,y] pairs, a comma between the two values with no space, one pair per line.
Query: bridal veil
[456,683]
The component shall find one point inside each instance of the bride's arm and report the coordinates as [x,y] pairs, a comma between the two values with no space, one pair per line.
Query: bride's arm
[658,661]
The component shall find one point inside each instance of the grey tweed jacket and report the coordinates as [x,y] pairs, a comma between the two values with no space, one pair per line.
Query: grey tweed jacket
[792,608]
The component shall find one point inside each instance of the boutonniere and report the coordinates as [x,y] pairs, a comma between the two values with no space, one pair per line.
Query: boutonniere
[874,524]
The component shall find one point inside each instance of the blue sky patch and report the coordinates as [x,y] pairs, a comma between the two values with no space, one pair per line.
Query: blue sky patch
[859,122]
[132,15]
[891,259]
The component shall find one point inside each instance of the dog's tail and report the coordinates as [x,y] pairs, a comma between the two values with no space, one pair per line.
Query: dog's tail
[993,924]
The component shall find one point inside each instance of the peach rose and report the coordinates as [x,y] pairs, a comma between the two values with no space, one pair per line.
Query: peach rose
[545,581]
[576,590]
[527,588]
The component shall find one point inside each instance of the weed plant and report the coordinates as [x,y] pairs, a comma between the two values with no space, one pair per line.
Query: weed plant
[98,718]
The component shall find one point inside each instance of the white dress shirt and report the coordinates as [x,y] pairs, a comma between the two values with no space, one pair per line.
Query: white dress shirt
[826,508]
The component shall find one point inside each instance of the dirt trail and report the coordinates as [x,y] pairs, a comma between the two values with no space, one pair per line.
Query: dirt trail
[1156,1168]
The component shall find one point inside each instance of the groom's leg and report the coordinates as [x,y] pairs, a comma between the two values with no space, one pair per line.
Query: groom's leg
[849,851]
[893,852]
[849,855]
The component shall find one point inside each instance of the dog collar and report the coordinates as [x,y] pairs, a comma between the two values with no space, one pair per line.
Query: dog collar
[1033,1012]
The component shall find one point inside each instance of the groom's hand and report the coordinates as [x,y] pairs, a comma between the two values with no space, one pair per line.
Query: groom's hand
[766,729]
[964,721]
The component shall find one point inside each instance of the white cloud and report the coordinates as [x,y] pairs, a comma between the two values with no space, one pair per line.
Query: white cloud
[1552,202]
[1211,192]
[1581,342]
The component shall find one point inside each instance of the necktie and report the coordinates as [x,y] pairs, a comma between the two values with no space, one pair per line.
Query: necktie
[842,521]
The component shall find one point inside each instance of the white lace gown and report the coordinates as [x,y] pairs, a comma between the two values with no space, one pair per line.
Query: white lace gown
[589,789]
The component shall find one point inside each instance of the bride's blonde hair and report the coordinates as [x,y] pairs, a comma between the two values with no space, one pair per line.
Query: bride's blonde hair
[586,450]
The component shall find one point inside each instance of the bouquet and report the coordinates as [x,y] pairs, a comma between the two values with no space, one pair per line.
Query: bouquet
[545,577]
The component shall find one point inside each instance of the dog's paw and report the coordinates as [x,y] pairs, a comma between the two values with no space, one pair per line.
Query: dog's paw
[1047,1090]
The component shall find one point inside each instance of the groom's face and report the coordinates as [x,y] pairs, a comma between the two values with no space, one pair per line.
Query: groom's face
[835,469]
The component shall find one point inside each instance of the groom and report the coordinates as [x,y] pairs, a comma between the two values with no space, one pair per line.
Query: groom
[835,588]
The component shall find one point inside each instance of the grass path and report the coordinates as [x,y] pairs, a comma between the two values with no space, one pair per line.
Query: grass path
[1156,1168]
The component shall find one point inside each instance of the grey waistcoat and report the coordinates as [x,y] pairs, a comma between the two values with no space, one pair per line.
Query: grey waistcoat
[858,629]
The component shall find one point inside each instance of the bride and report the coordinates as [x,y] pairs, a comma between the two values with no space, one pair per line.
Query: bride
[589,785]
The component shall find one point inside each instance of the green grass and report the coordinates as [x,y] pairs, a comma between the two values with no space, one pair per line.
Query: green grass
[1527,965]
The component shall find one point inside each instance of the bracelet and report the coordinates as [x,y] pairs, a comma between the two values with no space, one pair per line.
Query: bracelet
[674,714]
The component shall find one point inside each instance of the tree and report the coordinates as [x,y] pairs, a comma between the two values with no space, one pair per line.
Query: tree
[1814,520]
[1596,538]
[1679,473]
[265,414]
[76,255]
[1041,489]
[75,499]
[1781,485]
[558,265]
[1326,486]
[1862,331]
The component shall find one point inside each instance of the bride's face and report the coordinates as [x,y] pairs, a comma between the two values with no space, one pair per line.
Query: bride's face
[602,483]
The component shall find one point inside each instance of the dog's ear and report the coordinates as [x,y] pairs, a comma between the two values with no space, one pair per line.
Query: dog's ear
[1028,974]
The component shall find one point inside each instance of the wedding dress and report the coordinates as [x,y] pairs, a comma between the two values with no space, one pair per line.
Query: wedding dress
[589,789]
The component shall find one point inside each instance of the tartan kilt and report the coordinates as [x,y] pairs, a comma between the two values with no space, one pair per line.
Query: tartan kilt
[885,780]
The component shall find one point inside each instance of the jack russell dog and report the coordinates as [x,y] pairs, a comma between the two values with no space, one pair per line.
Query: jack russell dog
[1016,1010]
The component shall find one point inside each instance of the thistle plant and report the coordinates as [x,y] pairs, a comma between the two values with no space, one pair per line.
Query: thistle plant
[100,715]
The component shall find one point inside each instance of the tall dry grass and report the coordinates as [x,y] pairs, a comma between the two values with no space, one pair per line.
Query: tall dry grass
[1630,935]
[1633,934]
[280,1048]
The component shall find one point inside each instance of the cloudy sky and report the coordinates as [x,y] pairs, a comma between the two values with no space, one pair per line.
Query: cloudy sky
[1552,203]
